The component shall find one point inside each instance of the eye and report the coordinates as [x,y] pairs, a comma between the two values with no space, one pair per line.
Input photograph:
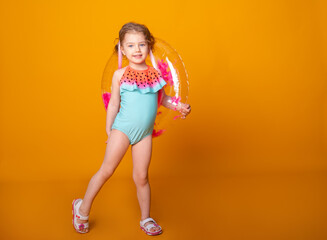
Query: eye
[130,45]
[142,44]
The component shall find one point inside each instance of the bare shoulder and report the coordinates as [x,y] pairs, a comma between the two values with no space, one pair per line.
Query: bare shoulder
[118,74]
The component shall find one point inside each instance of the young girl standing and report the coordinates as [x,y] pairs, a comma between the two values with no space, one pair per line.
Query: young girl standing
[131,114]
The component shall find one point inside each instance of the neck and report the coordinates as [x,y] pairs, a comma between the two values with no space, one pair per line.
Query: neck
[141,66]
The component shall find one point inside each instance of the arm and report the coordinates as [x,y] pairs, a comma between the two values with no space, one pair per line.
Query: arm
[114,103]
[168,102]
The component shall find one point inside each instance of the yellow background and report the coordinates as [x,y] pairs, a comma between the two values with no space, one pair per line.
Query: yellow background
[248,163]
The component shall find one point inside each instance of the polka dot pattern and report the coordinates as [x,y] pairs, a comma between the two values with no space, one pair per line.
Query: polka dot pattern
[144,81]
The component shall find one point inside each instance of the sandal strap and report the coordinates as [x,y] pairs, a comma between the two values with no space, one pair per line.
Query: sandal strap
[146,220]
[149,226]
[78,215]
[82,225]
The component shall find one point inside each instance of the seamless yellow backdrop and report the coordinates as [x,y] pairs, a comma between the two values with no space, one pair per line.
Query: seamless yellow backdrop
[257,72]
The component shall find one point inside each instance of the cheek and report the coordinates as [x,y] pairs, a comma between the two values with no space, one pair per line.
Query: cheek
[147,50]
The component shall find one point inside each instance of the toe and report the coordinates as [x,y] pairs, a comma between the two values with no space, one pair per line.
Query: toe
[154,229]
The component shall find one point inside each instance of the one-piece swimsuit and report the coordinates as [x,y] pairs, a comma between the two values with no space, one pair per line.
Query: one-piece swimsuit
[139,102]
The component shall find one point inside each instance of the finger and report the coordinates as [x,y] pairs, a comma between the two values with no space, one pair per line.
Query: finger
[186,112]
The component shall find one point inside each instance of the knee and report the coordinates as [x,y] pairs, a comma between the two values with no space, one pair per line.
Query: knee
[140,179]
[106,173]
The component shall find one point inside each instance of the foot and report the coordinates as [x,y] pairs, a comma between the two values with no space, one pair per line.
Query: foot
[80,218]
[79,221]
[153,229]
[150,227]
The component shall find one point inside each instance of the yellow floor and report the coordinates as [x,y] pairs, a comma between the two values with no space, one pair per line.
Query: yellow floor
[247,206]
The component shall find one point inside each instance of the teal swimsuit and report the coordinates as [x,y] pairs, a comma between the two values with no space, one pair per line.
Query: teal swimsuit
[139,103]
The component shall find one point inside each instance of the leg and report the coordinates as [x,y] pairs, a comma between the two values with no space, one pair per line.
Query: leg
[117,146]
[141,153]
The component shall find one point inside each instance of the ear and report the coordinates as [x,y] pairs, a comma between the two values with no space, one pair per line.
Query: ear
[121,49]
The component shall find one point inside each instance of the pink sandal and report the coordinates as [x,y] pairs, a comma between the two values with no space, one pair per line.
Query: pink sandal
[76,215]
[147,228]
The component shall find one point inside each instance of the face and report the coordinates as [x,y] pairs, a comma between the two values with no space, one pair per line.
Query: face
[135,47]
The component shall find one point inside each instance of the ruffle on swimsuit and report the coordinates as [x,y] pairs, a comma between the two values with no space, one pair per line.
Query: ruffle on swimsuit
[143,81]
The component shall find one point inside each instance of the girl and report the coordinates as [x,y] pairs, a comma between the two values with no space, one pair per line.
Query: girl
[131,114]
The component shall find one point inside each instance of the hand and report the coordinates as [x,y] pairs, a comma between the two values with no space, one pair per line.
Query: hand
[185,110]
[108,133]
